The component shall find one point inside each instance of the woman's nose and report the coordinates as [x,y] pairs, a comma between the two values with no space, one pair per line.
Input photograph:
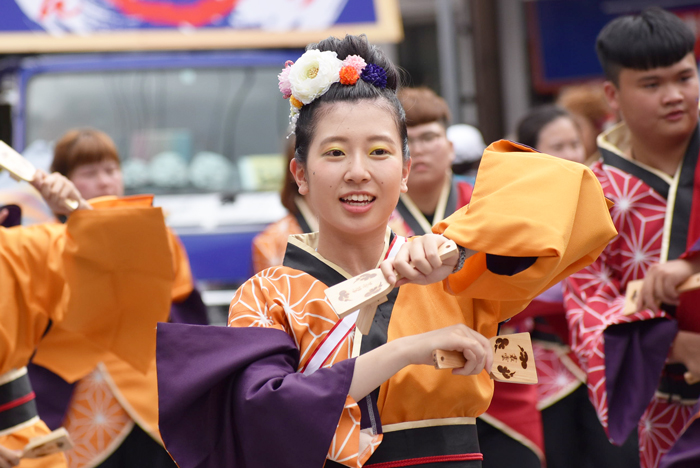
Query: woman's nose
[357,170]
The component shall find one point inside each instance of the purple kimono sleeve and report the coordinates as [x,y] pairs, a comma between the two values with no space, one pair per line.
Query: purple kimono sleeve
[635,354]
[232,397]
[190,310]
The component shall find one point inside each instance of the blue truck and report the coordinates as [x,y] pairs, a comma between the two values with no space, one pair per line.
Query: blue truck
[188,92]
[201,130]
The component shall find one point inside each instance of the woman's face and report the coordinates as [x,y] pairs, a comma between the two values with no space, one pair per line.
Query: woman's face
[98,179]
[561,138]
[354,171]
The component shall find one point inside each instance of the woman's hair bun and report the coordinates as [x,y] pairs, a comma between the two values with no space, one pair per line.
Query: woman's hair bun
[359,45]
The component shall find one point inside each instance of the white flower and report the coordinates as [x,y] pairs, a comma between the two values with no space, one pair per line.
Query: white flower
[313,74]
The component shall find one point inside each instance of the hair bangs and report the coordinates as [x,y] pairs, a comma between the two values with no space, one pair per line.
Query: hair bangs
[654,38]
[361,90]
[79,147]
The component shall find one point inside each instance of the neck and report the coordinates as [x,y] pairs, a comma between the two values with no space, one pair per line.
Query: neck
[664,156]
[426,198]
[352,252]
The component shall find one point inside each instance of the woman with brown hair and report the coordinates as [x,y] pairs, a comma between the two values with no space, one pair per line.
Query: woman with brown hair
[111,413]
[89,159]
[68,297]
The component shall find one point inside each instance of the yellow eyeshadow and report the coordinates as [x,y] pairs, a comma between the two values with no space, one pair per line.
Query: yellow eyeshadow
[388,151]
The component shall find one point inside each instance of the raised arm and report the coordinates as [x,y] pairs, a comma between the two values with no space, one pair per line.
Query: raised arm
[533,219]
[59,192]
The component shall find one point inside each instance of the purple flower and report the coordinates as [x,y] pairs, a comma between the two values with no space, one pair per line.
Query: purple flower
[374,75]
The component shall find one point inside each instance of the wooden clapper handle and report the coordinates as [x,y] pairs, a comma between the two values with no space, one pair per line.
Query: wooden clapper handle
[54,442]
[366,316]
[634,288]
[21,169]
[513,359]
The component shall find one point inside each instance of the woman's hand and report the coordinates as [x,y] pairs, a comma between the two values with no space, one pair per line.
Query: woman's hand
[9,458]
[686,350]
[58,192]
[473,345]
[377,366]
[661,283]
[418,262]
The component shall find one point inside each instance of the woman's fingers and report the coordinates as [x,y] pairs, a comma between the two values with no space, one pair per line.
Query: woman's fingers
[431,247]
[648,300]
[661,283]
[15,457]
[475,348]
[57,190]
[472,364]
[9,458]
[419,258]
[387,267]
[669,293]
[401,264]
[418,261]
[65,193]
[486,346]
[38,179]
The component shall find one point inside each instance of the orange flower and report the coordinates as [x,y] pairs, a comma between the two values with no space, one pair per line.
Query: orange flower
[295,102]
[349,75]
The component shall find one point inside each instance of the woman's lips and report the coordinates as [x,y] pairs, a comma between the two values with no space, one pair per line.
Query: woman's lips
[358,203]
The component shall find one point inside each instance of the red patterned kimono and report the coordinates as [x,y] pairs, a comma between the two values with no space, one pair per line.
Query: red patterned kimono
[624,357]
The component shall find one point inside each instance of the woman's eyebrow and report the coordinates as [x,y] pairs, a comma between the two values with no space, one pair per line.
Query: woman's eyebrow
[334,138]
[342,139]
[385,138]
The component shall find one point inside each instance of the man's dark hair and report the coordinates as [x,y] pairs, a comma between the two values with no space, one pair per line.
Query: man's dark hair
[653,38]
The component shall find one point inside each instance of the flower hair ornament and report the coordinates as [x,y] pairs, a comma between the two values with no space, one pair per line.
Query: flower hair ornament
[314,72]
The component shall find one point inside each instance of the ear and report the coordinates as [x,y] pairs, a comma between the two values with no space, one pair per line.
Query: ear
[451,149]
[612,94]
[404,175]
[299,173]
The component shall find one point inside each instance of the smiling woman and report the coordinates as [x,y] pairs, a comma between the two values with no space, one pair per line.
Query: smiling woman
[353,178]
[290,383]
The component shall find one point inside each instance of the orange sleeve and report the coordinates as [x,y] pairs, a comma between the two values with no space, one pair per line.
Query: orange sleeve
[270,245]
[183,283]
[527,204]
[32,289]
[119,270]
